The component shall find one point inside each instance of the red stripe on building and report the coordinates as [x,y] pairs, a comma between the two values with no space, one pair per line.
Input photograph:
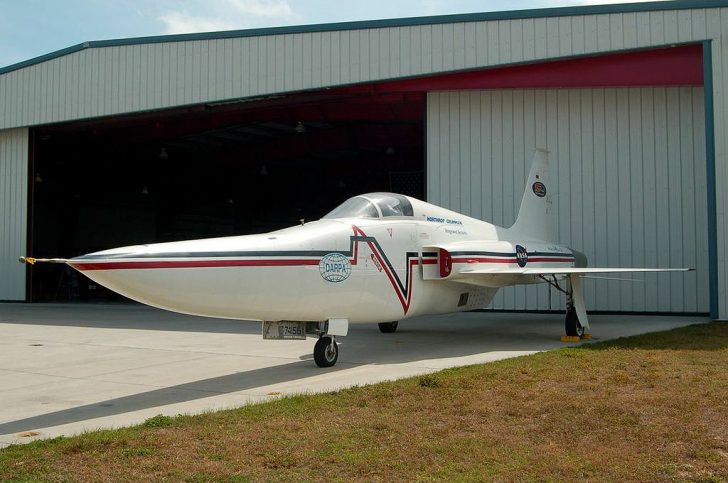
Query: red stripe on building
[668,66]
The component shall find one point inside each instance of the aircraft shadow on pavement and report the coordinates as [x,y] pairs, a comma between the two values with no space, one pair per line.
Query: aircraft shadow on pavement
[119,316]
[160,397]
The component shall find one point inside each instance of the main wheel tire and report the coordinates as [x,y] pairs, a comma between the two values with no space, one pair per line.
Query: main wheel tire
[388,327]
[325,353]
[573,326]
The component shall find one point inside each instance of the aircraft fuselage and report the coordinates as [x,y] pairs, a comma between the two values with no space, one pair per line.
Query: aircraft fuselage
[359,269]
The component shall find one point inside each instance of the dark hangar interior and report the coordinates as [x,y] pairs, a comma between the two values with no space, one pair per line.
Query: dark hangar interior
[234,168]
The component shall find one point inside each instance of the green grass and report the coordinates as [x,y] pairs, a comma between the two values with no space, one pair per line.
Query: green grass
[651,407]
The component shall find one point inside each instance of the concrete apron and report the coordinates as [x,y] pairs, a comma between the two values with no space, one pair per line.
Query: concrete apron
[66,369]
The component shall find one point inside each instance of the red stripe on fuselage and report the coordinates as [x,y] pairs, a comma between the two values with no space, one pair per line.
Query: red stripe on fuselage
[484,260]
[82,266]
[509,260]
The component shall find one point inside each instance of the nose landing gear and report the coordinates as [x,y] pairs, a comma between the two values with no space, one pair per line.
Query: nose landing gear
[326,351]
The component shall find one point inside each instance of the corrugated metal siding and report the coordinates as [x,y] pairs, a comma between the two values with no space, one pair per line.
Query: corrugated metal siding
[120,79]
[13,211]
[717,29]
[630,181]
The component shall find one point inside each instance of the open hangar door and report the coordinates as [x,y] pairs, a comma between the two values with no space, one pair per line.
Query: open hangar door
[216,170]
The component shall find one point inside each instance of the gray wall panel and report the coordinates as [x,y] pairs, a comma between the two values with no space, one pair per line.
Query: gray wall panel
[720,90]
[13,211]
[721,108]
[630,181]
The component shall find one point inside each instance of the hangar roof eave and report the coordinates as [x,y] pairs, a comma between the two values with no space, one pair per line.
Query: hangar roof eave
[384,23]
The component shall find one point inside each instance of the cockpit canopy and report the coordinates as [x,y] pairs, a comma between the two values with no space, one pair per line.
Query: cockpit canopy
[373,205]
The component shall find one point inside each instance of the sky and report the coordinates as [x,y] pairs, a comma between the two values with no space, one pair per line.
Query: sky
[30,28]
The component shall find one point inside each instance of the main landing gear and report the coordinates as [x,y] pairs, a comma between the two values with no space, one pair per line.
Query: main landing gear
[576,323]
[573,326]
[388,327]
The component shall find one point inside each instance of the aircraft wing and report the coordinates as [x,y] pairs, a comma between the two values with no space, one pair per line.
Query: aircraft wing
[565,270]
[500,277]
[494,277]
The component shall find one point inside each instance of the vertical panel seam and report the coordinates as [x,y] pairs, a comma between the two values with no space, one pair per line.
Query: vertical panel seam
[710,173]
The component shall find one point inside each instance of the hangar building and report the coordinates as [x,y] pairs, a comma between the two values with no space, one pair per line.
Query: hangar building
[140,140]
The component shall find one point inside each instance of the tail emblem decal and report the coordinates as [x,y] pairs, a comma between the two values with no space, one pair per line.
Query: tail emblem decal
[539,189]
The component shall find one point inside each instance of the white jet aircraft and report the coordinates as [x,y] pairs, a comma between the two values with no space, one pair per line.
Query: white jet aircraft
[377,258]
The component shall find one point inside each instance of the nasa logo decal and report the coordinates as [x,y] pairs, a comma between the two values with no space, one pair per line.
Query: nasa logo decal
[335,267]
[521,256]
[539,189]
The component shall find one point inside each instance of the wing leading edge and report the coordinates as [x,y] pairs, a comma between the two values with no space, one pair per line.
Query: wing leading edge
[566,270]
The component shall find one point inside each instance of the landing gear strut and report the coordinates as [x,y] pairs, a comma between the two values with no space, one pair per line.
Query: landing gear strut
[577,322]
[388,327]
[326,351]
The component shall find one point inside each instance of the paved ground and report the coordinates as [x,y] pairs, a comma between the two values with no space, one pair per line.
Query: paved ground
[69,368]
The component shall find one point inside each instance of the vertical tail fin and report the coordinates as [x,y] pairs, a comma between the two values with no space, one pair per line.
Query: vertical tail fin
[536,218]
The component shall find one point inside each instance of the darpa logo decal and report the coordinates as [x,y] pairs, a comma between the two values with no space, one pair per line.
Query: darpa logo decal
[521,256]
[539,189]
[335,267]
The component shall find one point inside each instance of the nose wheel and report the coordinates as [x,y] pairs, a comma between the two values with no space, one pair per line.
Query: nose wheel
[326,351]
